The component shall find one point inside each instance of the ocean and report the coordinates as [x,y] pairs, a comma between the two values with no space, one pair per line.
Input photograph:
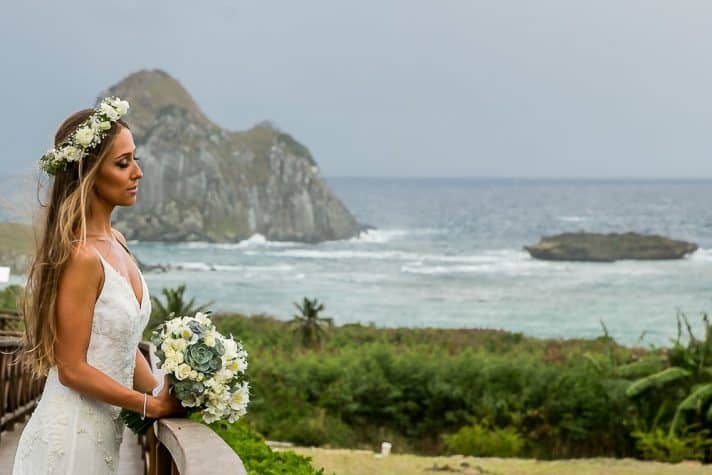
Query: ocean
[448,253]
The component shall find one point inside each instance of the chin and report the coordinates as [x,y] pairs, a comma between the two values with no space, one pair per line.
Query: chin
[128,202]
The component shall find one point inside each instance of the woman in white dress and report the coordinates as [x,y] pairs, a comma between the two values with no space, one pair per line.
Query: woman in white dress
[86,304]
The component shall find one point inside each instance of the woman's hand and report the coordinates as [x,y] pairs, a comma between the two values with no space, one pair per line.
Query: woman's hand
[166,403]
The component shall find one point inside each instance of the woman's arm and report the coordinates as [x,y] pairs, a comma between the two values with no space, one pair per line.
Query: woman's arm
[78,287]
[143,379]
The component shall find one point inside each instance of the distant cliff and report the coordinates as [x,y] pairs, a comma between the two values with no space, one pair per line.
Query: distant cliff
[202,182]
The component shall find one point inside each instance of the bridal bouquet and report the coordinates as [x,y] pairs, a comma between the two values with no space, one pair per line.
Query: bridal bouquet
[206,370]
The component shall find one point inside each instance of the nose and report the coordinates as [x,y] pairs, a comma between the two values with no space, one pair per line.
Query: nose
[137,173]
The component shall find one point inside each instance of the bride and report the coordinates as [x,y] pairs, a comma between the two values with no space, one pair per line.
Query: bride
[86,304]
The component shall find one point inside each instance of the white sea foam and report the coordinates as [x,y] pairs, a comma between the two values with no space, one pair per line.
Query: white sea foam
[573,219]
[204,266]
[435,270]
[484,257]
[255,241]
[704,255]
[501,262]
[380,236]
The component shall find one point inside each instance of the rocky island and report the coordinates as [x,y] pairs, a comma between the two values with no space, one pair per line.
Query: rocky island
[595,247]
[204,183]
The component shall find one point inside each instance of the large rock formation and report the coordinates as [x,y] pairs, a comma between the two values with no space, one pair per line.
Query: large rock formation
[593,247]
[205,183]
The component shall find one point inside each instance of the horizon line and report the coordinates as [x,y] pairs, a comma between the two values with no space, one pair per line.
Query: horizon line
[521,177]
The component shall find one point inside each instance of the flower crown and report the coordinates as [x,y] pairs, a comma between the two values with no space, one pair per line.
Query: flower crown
[89,134]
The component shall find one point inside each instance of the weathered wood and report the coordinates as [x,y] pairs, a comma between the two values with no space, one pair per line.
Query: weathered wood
[19,391]
[196,449]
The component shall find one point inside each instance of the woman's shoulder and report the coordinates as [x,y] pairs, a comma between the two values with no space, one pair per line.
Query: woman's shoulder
[83,264]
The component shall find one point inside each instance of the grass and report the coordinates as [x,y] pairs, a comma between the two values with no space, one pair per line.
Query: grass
[15,238]
[363,462]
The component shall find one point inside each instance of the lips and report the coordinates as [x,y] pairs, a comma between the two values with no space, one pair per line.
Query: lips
[133,189]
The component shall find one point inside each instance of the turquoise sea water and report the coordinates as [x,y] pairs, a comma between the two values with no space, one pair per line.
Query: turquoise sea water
[448,253]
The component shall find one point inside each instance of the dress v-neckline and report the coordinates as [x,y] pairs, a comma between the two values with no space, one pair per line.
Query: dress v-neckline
[127,282]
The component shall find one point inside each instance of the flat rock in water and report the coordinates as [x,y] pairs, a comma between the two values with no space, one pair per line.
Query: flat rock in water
[596,247]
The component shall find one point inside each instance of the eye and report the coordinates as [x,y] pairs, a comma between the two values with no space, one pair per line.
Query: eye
[122,164]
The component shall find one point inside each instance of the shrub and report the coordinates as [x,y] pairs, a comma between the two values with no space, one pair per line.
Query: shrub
[10,298]
[257,456]
[481,441]
[660,445]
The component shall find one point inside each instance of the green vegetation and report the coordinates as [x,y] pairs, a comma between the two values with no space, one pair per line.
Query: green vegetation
[430,391]
[257,456]
[15,238]
[483,441]
[10,298]
[673,394]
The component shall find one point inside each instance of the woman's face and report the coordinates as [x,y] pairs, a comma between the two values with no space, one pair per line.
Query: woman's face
[119,173]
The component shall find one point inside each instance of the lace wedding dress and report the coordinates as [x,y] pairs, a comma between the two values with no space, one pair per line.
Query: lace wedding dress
[70,433]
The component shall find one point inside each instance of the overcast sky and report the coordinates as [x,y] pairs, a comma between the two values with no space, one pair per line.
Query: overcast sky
[390,88]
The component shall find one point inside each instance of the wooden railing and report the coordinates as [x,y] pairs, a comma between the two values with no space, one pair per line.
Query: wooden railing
[11,323]
[185,447]
[19,392]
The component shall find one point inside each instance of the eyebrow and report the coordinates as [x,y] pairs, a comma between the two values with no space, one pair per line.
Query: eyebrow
[126,154]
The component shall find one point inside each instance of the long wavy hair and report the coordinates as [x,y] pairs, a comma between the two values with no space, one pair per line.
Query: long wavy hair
[61,230]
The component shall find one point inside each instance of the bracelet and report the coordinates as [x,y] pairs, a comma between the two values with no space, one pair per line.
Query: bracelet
[144,406]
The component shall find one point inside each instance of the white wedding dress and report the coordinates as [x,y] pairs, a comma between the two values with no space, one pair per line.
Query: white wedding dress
[70,433]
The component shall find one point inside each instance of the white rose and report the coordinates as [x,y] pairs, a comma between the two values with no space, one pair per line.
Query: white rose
[209,418]
[71,153]
[194,375]
[121,106]
[182,371]
[226,373]
[84,136]
[109,111]
[168,366]
[210,340]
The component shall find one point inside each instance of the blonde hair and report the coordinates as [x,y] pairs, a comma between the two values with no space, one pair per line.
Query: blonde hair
[63,224]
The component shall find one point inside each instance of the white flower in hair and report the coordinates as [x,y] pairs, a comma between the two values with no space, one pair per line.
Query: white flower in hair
[109,111]
[121,106]
[84,136]
[88,134]
[71,153]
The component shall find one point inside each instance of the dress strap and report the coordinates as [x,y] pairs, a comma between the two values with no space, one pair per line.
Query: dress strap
[122,244]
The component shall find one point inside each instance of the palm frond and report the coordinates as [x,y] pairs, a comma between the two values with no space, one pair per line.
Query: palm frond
[658,379]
